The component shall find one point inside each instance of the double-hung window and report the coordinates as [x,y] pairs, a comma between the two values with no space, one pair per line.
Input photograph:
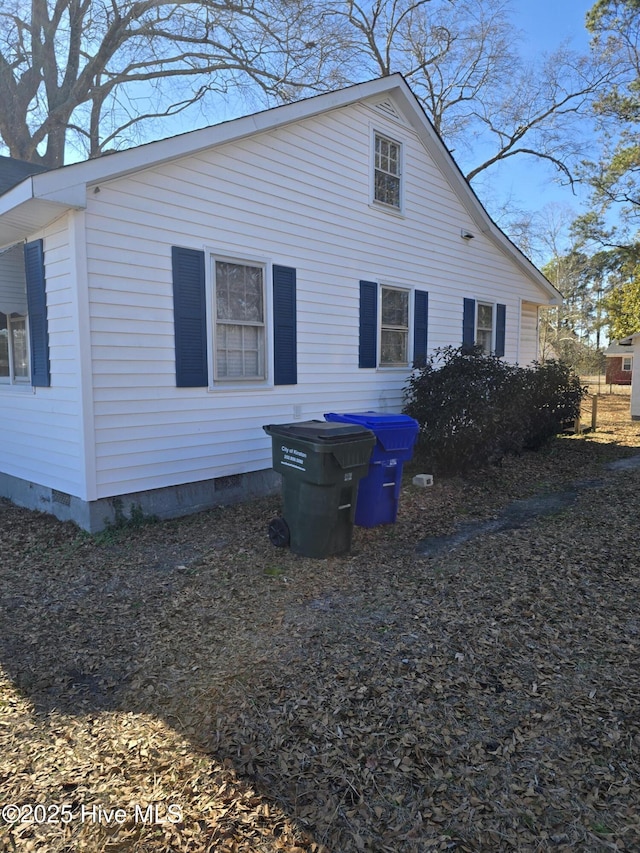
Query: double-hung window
[626,363]
[394,326]
[14,343]
[387,172]
[239,335]
[230,324]
[24,337]
[484,327]
[14,349]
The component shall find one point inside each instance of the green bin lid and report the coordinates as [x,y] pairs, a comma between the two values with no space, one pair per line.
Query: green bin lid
[319,431]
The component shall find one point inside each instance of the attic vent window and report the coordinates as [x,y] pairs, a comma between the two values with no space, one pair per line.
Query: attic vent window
[388,108]
[387,171]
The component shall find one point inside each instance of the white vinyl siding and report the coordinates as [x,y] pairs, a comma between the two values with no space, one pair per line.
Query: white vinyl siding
[298,197]
[42,428]
[529,344]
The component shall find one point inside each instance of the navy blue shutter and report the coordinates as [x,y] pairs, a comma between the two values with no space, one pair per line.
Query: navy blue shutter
[285,356]
[420,325]
[469,324]
[368,351]
[501,316]
[190,317]
[37,307]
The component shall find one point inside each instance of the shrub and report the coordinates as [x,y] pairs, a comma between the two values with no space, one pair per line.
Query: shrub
[473,408]
[552,401]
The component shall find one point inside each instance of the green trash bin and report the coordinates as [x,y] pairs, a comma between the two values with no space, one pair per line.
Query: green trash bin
[321,465]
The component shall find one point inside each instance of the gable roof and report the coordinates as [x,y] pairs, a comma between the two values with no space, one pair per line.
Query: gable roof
[41,198]
[618,348]
[624,343]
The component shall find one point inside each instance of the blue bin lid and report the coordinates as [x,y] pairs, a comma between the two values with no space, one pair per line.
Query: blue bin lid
[372,420]
[395,434]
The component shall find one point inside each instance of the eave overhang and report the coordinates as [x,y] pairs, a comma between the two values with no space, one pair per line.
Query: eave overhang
[24,211]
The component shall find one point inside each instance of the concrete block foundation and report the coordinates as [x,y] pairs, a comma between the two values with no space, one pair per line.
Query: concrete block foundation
[169,502]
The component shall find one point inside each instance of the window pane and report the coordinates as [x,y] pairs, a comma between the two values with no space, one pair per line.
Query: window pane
[484,340]
[393,165]
[387,189]
[251,351]
[239,352]
[395,307]
[393,347]
[4,347]
[485,316]
[19,348]
[239,292]
[387,155]
[229,351]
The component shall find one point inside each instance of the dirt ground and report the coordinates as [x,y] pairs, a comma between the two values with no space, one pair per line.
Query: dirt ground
[186,686]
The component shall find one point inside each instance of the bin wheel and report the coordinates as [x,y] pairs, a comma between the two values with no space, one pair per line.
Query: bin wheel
[279,532]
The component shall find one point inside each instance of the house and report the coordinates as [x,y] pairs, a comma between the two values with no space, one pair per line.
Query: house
[635,383]
[160,304]
[631,345]
[619,361]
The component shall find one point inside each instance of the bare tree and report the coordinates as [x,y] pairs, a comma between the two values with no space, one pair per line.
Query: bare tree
[449,52]
[94,73]
[543,112]
[93,67]
[462,61]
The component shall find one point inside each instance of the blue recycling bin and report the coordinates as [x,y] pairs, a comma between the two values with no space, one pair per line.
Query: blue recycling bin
[379,492]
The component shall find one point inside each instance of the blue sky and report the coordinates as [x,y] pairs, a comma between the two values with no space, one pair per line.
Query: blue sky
[547,22]
[528,183]
[544,25]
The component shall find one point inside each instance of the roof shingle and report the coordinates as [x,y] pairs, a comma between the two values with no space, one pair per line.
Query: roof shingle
[13,171]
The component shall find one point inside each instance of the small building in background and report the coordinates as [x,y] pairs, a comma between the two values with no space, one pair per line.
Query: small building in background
[619,357]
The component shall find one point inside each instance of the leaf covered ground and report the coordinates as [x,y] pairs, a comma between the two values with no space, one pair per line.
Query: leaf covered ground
[185,686]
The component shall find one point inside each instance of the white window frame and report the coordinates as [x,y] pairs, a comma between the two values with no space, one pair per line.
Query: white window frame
[492,330]
[629,359]
[393,328]
[12,379]
[265,354]
[378,203]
